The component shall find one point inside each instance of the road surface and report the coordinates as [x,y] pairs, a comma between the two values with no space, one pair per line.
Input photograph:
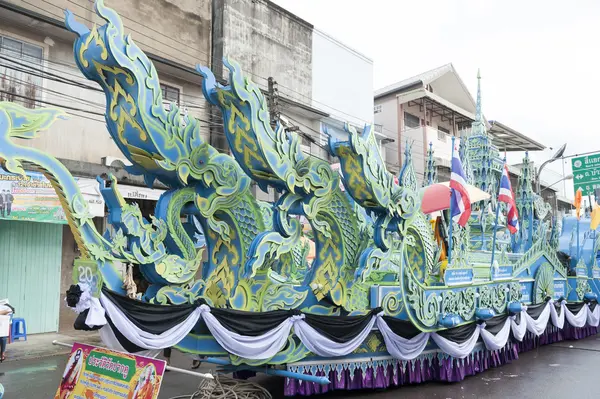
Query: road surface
[562,370]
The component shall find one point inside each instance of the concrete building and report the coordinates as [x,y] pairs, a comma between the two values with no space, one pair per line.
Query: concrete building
[310,71]
[37,69]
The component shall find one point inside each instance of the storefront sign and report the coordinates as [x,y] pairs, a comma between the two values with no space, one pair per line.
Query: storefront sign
[99,373]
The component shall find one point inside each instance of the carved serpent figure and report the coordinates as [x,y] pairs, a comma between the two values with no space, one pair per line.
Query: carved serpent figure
[272,157]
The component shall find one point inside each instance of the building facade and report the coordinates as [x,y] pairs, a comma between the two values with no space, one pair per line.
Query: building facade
[317,82]
[37,69]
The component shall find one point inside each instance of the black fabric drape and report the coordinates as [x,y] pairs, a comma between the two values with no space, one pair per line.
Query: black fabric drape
[403,328]
[459,334]
[495,324]
[80,322]
[250,324]
[536,310]
[575,307]
[593,305]
[154,319]
[125,343]
[340,328]
[558,307]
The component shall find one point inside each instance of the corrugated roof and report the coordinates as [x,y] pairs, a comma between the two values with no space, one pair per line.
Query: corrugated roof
[424,78]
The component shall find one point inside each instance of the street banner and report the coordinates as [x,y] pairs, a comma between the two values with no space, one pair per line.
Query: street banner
[32,198]
[29,198]
[98,373]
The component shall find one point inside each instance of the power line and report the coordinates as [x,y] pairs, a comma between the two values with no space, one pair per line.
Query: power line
[96,89]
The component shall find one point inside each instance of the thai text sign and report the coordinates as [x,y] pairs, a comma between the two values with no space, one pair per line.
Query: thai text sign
[586,173]
[502,272]
[560,289]
[458,276]
[30,197]
[97,373]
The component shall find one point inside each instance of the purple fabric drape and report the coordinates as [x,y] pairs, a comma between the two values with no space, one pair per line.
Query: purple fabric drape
[436,368]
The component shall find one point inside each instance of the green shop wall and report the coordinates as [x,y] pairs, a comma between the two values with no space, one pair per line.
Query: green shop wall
[30,265]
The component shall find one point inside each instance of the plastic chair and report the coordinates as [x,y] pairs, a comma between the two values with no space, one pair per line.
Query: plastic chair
[19,329]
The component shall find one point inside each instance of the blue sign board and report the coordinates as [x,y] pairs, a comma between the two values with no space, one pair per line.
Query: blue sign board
[560,289]
[458,276]
[581,271]
[502,272]
[596,273]
[526,293]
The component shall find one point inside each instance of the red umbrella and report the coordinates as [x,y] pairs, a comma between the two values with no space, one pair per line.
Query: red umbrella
[437,196]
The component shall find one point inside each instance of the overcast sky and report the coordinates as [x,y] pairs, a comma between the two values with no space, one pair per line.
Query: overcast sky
[539,59]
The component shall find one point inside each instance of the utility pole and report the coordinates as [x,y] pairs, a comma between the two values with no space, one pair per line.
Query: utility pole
[274,114]
[273,102]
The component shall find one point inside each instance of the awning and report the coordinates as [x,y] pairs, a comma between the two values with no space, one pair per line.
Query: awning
[509,139]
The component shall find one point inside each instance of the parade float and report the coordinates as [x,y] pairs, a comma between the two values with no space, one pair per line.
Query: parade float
[393,295]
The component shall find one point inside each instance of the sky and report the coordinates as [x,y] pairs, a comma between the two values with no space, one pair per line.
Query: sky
[539,60]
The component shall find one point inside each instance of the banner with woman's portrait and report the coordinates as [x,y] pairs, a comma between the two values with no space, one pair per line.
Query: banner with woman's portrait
[92,370]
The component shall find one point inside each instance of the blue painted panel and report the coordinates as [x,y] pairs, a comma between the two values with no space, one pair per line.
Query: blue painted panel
[560,289]
[30,263]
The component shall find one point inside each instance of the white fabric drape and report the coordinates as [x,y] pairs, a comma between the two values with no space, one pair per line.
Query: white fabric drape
[269,344]
[538,326]
[111,342]
[399,347]
[579,319]
[494,342]
[458,350]
[593,318]
[260,347]
[96,315]
[520,329]
[558,321]
[323,346]
[145,339]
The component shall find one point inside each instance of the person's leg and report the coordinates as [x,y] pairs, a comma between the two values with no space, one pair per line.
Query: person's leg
[8,208]
[2,347]
[167,355]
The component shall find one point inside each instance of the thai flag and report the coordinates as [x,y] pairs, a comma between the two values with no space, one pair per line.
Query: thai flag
[506,195]
[459,197]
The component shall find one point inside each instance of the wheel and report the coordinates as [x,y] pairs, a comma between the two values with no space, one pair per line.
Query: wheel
[544,283]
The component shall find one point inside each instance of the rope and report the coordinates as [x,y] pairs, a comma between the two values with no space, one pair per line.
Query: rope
[224,387]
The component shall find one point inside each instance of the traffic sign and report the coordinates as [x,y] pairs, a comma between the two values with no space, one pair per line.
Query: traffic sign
[586,173]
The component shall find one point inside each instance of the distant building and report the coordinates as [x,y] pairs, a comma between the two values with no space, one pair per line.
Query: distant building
[430,108]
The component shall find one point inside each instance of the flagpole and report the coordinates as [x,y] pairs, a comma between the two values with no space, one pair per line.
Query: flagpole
[578,212]
[451,221]
[497,215]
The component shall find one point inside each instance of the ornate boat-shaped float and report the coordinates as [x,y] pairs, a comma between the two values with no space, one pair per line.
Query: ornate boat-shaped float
[377,306]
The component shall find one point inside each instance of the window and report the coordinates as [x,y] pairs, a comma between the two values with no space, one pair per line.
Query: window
[442,133]
[411,121]
[170,94]
[377,109]
[20,72]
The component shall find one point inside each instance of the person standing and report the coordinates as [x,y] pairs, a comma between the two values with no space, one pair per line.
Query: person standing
[5,311]
[8,201]
[2,209]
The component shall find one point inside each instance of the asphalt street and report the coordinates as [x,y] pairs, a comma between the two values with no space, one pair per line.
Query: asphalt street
[564,370]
